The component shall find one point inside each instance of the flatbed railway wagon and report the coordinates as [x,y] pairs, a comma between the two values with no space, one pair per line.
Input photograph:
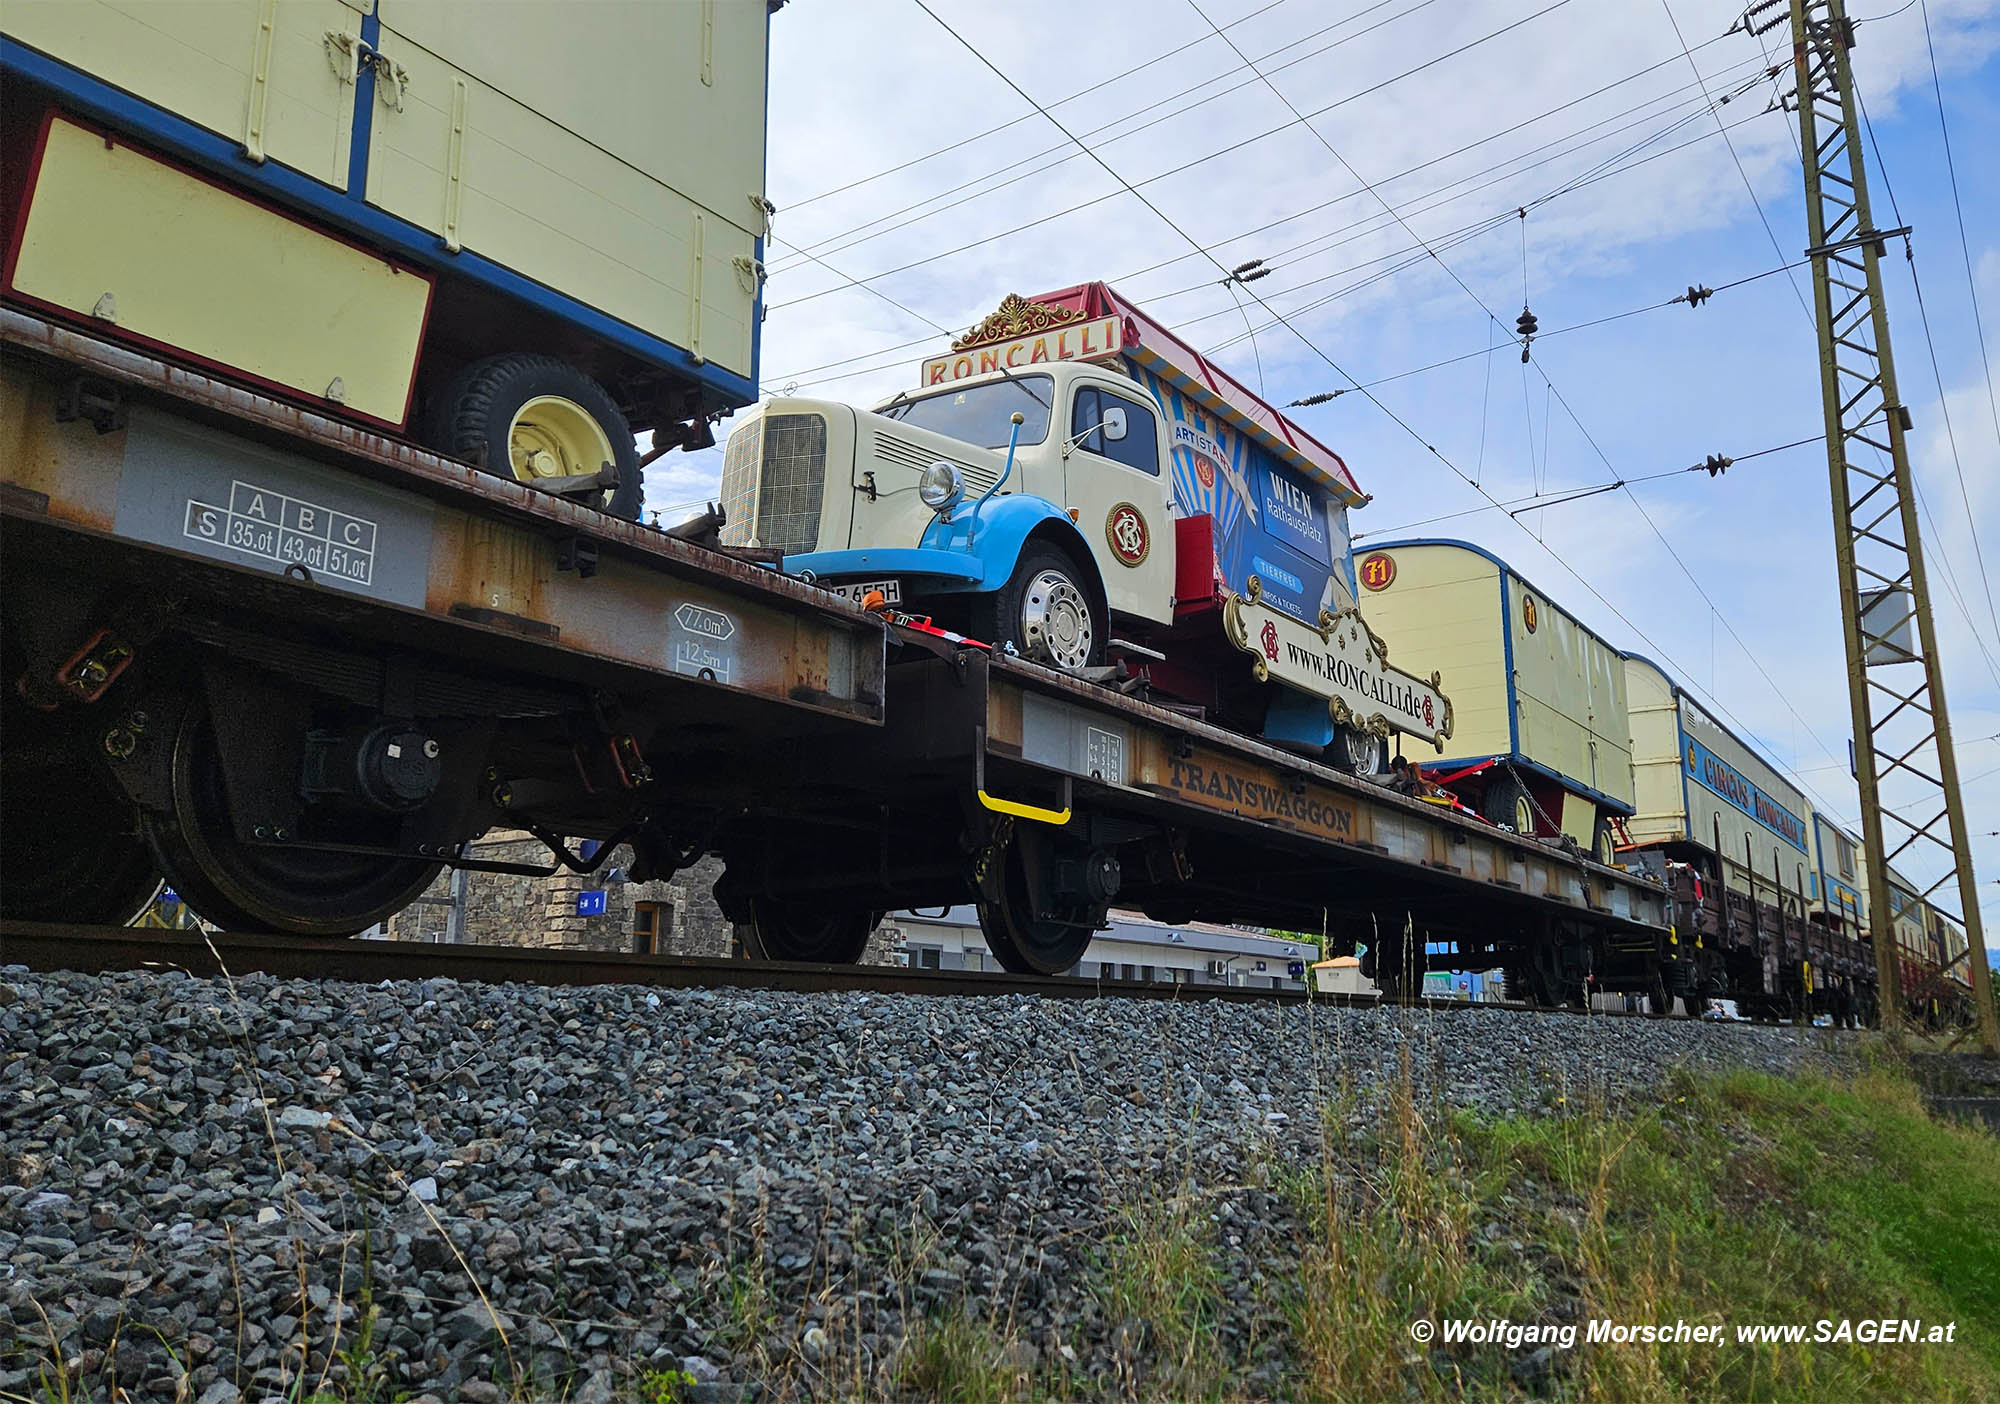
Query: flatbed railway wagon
[300,748]
[1736,842]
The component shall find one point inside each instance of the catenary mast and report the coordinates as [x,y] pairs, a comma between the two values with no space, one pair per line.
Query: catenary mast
[1903,757]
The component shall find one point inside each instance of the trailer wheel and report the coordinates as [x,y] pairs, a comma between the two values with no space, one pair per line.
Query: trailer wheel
[74,854]
[532,418]
[1604,841]
[806,931]
[1045,612]
[292,891]
[1508,802]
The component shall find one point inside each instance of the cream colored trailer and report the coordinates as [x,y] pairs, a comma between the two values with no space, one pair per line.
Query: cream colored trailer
[582,180]
[1838,887]
[1529,683]
[1698,783]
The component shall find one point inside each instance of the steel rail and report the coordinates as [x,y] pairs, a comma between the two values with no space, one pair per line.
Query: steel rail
[95,950]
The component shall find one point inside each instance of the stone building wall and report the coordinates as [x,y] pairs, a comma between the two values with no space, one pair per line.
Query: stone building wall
[514,910]
[507,909]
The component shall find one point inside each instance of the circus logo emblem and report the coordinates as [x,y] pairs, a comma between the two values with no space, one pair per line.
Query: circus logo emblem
[1204,470]
[1125,530]
[1269,638]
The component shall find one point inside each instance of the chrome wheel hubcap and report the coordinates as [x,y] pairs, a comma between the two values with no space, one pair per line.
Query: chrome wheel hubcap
[1055,621]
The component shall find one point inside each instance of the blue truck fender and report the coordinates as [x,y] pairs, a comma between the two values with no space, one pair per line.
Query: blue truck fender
[1004,528]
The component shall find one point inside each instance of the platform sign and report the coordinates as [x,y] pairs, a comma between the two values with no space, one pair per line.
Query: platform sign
[590,903]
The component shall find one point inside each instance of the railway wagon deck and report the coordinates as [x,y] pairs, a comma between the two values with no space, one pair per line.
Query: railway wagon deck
[1046,800]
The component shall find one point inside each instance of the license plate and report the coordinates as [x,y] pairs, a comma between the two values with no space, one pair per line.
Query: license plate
[892,590]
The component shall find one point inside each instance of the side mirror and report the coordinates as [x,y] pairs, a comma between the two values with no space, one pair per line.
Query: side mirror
[1113,424]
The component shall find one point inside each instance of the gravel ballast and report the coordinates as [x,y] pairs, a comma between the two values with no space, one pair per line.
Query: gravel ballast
[214,1183]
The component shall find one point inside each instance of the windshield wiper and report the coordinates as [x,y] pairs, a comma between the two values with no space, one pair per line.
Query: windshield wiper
[1022,386]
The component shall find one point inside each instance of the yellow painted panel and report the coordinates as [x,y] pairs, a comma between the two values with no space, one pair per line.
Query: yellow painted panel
[1569,688]
[1441,612]
[198,59]
[514,187]
[191,266]
[1656,754]
[672,88]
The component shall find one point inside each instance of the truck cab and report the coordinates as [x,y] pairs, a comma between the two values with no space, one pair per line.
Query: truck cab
[1073,482]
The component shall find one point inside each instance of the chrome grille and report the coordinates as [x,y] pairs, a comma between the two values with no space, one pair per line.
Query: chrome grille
[792,482]
[902,451]
[739,482]
[773,481]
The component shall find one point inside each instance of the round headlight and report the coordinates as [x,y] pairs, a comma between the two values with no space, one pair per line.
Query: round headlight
[940,486]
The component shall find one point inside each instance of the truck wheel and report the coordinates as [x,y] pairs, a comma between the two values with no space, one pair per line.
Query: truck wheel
[531,418]
[1358,752]
[1045,611]
[807,931]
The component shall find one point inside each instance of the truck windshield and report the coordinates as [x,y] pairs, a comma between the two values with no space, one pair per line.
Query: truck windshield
[979,414]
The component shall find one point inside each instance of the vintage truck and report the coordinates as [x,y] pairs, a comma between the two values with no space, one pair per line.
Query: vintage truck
[1073,482]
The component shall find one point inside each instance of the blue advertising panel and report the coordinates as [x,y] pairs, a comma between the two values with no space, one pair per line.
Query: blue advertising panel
[1723,780]
[1269,521]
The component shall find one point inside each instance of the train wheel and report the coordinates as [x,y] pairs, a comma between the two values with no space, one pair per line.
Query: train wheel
[806,931]
[70,848]
[1022,942]
[298,892]
[533,418]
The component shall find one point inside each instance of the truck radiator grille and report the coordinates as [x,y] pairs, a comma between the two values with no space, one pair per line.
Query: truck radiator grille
[739,482]
[773,482]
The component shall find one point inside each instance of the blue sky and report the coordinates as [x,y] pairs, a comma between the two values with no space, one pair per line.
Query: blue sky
[861,87]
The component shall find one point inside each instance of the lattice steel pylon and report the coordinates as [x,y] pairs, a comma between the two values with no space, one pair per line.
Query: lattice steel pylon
[1904,762]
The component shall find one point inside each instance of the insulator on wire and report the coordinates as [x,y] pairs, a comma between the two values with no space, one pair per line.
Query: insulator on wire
[1255,274]
[1696,295]
[1525,327]
[1321,398]
[1240,269]
[1716,464]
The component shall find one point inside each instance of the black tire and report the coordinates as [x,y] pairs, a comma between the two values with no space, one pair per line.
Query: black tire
[471,415]
[1508,802]
[1604,841]
[1357,752]
[810,932]
[1003,617]
[294,892]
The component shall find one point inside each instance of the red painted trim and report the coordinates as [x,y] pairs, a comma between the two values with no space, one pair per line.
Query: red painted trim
[115,332]
[1101,300]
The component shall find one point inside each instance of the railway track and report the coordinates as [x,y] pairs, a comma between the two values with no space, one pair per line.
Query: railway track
[44,946]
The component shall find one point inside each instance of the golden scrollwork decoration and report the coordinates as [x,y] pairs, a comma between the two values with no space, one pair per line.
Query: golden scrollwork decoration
[1017,317]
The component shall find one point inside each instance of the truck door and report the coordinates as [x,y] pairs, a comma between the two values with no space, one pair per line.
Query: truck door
[1114,486]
